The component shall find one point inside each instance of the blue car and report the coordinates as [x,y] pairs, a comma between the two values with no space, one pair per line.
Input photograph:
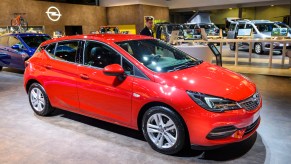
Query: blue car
[15,49]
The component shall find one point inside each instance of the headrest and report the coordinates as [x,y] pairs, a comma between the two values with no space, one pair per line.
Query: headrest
[96,51]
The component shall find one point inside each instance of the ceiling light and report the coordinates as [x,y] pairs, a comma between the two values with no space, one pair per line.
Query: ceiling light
[272,5]
[230,8]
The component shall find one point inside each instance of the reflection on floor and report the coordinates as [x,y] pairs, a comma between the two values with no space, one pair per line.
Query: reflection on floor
[259,63]
[71,138]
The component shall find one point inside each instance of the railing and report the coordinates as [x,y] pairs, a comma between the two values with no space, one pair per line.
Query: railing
[221,41]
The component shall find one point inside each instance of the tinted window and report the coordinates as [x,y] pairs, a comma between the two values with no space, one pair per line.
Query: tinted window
[50,49]
[4,41]
[100,55]
[159,56]
[67,51]
[231,27]
[34,41]
[266,27]
[240,26]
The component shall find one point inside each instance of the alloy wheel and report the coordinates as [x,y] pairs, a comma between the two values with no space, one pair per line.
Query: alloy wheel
[258,48]
[162,130]
[37,99]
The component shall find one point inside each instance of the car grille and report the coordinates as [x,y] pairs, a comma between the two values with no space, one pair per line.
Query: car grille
[251,103]
[251,127]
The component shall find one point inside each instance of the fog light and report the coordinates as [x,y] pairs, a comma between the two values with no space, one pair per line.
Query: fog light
[221,132]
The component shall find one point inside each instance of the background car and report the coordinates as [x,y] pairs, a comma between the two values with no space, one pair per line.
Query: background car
[262,29]
[144,84]
[16,48]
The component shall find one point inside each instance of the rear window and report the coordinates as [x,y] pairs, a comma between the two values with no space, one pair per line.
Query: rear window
[34,41]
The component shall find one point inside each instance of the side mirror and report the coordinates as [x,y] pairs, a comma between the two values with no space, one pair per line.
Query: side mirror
[113,70]
[16,46]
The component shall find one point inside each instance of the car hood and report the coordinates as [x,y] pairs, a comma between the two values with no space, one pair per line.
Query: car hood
[209,79]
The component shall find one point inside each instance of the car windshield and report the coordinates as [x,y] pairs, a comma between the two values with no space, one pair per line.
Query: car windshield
[266,27]
[158,56]
[34,41]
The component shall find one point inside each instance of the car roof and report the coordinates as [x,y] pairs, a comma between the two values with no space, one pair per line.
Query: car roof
[25,34]
[261,21]
[100,37]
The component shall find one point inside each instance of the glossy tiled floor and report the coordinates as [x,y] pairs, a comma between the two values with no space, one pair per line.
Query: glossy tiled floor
[70,138]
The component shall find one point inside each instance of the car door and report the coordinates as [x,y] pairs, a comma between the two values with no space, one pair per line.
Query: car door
[60,74]
[231,31]
[18,56]
[102,96]
[5,58]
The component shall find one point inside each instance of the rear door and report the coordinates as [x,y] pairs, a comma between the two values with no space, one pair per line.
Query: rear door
[60,73]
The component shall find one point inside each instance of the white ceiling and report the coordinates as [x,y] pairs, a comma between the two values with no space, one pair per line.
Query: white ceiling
[197,4]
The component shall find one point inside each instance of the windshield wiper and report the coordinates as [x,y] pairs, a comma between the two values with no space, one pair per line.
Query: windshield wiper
[186,65]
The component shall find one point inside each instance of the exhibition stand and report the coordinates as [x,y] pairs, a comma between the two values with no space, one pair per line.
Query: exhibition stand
[221,41]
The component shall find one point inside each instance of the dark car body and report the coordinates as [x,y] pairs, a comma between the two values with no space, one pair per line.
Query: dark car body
[16,48]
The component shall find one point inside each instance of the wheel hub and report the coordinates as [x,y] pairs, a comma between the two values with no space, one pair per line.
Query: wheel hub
[162,130]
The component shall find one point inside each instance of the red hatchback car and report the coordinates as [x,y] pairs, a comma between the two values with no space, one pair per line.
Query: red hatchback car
[144,84]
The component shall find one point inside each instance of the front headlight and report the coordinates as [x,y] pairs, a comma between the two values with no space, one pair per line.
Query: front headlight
[213,104]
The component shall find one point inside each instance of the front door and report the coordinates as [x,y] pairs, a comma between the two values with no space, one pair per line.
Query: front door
[102,96]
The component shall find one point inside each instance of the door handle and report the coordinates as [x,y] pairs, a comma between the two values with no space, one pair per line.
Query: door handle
[84,76]
[48,66]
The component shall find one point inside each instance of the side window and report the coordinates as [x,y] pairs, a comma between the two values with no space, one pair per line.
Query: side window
[13,41]
[50,49]
[100,55]
[67,51]
[231,27]
[127,66]
[249,26]
[240,26]
[4,41]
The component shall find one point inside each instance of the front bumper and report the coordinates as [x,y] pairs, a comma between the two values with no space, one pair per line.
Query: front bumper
[208,129]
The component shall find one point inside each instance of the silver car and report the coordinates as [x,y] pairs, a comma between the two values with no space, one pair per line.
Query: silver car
[262,29]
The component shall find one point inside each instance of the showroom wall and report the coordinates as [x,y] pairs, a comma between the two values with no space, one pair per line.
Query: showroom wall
[134,14]
[273,13]
[89,17]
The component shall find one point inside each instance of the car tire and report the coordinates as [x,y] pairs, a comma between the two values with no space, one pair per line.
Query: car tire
[232,47]
[166,136]
[258,48]
[39,101]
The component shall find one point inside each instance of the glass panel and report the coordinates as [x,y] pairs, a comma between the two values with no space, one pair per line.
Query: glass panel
[67,51]
[100,55]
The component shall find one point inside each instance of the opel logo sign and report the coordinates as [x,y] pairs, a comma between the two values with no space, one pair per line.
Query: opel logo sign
[53,13]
